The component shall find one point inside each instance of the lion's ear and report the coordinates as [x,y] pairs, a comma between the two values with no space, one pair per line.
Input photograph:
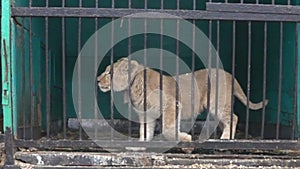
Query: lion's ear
[134,65]
[123,59]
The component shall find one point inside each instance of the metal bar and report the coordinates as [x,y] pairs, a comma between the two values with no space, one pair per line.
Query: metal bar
[279,82]
[64,78]
[161,69]
[177,4]
[295,81]
[80,3]
[23,78]
[217,73]
[111,79]
[161,4]
[113,4]
[253,8]
[273,2]
[96,68]
[145,77]
[233,76]
[48,99]
[32,99]
[129,4]
[9,147]
[185,14]
[146,4]
[79,74]
[177,81]
[129,79]
[193,119]
[193,79]
[248,79]
[209,71]
[264,79]
[194,4]
[209,144]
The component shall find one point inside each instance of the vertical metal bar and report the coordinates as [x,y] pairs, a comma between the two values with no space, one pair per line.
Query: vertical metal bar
[279,82]
[233,77]
[23,78]
[257,1]
[177,4]
[193,78]
[248,79]
[295,81]
[193,119]
[289,2]
[161,4]
[129,4]
[47,76]
[113,4]
[217,72]
[145,76]
[242,1]
[161,69]
[177,78]
[194,4]
[64,75]
[146,4]
[273,2]
[30,3]
[209,71]
[79,73]
[129,78]
[96,68]
[96,5]
[9,147]
[264,79]
[32,113]
[112,82]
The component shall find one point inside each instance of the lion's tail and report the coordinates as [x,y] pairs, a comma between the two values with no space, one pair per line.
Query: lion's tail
[239,93]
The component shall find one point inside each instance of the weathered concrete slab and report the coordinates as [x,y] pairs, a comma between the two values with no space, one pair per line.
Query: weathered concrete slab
[45,159]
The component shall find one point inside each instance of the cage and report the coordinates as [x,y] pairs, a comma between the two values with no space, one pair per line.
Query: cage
[256,41]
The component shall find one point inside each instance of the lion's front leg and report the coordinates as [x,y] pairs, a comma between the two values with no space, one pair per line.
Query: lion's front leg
[170,130]
[150,125]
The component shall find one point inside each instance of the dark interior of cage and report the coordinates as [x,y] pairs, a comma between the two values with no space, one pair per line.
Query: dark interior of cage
[272,63]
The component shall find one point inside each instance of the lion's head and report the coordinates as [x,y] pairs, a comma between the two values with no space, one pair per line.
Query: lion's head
[119,75]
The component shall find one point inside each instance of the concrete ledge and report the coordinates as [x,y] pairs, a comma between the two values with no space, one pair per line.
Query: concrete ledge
[84,159]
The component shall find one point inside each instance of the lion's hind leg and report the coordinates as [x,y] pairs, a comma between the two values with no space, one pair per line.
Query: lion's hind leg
[226,121]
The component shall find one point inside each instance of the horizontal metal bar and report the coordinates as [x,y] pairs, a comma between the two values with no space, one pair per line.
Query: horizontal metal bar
[210,144]
[185,14]
[253,8]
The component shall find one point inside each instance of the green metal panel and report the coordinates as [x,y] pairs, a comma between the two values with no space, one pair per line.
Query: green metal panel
[6,64]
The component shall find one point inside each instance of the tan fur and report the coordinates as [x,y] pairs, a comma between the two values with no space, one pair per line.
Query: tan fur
[220,107]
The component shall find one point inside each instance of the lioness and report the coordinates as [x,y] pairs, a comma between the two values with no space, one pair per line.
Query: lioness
[200,92]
